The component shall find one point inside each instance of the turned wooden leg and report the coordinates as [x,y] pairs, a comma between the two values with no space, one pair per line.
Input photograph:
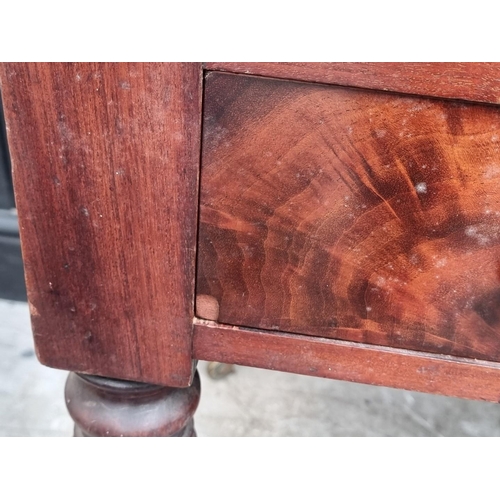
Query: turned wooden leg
[108,407]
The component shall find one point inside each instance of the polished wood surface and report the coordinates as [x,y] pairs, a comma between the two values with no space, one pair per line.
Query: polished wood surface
[351,214]
[352,361]
[470,81]
[350,233]
[103,407]
[105,160]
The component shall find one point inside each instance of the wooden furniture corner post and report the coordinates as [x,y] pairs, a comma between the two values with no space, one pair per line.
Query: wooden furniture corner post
[105,162]
[340,220]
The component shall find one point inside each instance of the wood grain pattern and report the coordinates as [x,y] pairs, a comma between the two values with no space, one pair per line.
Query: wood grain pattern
[106,160]
[354,362]
[350,214]
[470,81]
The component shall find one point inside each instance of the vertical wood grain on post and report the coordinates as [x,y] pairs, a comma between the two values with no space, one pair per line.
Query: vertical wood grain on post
[105,163]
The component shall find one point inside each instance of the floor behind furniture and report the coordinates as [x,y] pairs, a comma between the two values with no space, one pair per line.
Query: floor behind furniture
[249,402]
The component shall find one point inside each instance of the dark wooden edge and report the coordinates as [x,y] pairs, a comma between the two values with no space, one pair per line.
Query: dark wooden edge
[468,81]
[411,370]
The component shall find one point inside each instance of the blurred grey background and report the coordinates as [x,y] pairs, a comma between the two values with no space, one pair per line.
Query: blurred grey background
[247,402]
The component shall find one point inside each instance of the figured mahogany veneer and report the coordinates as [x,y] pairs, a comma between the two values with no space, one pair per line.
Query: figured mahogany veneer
[351,214]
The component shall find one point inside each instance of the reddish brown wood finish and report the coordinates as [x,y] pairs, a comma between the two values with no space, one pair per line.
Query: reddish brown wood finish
[351,214]
[111,408]
[105,161]
[470,81]
[106,165]
[355,362]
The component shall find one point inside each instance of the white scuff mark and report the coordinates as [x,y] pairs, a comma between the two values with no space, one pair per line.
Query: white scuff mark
[491,171]
[470,231]
[417,107]
[441,262]
[421,187]
[473,232]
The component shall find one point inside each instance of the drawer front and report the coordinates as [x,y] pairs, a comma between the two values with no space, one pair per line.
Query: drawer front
[350,214]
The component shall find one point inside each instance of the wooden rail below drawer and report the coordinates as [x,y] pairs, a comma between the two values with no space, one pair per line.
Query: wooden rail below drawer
[355,362]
